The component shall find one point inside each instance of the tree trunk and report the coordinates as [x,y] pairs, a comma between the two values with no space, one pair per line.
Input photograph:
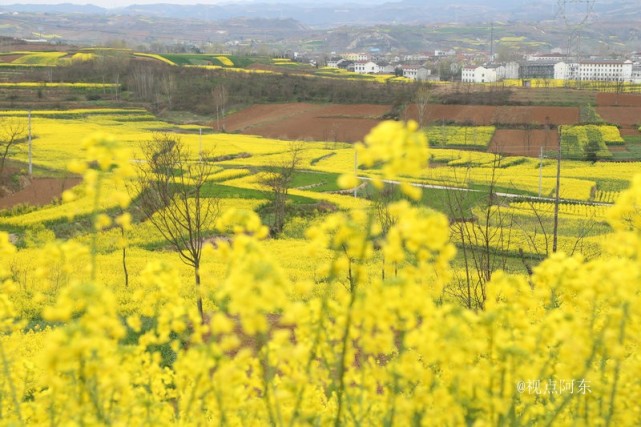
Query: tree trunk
[199,298]
[124,266]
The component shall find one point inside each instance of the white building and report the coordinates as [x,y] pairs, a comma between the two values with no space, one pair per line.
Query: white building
[365,67]
[467,74]
[636,74]
[609,71]
[385,68]
[416,57]
[508,70]
[440,53]
[334,62]
[356,56]
[478,75]
[546,57]
[417,73]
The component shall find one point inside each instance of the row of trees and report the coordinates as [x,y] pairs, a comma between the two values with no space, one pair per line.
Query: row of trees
[161,86]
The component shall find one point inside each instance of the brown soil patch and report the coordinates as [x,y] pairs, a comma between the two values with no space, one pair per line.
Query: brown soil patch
[371,111]
[630,131]
[350,123]
[617,148]
[9,58]
[264,113]
[309,128]
[490,115]
[300,121]
[522,142]
[622,116]
[618,100]
[39,192]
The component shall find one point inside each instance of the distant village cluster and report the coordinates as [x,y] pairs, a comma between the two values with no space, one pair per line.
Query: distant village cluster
[410,66]
[553,65]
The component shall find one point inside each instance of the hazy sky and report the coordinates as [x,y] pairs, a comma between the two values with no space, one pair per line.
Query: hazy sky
[119,3]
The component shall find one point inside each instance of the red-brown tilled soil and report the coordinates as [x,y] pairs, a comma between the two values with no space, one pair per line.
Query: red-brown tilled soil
[523,142]
[39,192]
[629,131]
[618,100]
[622,116]
[350,123]
[491,115]
[9,58]
[300,121]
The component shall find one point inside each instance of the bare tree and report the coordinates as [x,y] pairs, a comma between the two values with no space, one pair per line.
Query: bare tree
[168,86]
[13,132]
[172,198]
[111,64]
[278,180]
[484,239]
[219,96]
[381,201]
[422,99]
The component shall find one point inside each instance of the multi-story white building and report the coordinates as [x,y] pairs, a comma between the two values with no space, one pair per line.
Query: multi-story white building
[417,73]
[478,75]
[416,57]
[365,67]
[636,74]
[356,56]
[609,71]
[334,62]
[547,57]
[509,70]
[385,67]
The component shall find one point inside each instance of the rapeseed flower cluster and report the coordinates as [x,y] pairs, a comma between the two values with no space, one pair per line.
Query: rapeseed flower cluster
[559,347]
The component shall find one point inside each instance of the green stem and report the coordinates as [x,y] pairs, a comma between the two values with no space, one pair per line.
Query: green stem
[312,356]
[267,380]
[617,369]
[94,236]
[12,387]
[341,366]
[353,281]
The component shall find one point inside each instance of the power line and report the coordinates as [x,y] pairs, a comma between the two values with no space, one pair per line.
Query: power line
[574,21]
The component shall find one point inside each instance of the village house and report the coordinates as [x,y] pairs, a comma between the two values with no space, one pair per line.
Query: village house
[366,67]
[385,67]
[478,74]
[355,56]
[334,61]
[417,73]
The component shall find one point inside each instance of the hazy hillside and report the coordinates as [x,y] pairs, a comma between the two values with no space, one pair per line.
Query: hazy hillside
[333,13]
[407,25]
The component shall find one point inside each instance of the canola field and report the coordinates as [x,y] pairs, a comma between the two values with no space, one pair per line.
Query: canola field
[356,314]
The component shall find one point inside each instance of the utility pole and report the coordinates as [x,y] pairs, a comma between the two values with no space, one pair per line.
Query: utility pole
[556,198]
[200,144]
[574,19]
[355,168]
[30,151]
[545,144]
[541,173]
[492,42]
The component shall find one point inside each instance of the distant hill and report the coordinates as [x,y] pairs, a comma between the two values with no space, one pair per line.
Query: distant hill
[55,8]
[404,25]
[328,14]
